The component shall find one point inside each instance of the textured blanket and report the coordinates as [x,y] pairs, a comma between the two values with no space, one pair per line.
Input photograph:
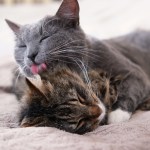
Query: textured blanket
[132,135]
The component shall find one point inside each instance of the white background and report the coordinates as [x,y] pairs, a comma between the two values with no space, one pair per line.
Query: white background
[100,18]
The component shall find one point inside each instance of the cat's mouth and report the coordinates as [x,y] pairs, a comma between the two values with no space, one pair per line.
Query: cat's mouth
[37,69]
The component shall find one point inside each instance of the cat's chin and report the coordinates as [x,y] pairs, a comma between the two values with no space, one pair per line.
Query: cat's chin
[26,72]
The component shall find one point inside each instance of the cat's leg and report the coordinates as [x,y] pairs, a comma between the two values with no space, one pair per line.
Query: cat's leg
[118,115]
[132,93]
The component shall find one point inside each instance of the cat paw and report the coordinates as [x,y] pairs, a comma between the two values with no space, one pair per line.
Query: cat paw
[118,115]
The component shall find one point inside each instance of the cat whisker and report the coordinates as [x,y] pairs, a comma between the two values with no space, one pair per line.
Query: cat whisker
[87,53]
[17,69]
[83,48]
[19,74]
[82,67]
[76,52]
[64,44]
[55,59]
[85,74]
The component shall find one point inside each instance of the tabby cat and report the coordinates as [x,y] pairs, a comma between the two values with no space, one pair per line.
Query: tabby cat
[63,100]
[59,38]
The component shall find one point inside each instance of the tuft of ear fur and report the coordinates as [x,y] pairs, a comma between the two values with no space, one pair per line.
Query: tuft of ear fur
[69,9]
[14,26]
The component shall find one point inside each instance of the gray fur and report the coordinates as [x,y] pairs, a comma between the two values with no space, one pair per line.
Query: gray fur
[60,37]
[66,43]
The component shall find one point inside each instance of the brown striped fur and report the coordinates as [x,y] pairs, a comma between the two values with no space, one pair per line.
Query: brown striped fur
[62,99]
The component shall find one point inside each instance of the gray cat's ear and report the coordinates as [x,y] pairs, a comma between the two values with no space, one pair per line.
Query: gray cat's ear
[69,9]
[14,26]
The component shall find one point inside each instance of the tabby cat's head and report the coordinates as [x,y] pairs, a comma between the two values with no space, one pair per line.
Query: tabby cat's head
[50,41]
[62,100]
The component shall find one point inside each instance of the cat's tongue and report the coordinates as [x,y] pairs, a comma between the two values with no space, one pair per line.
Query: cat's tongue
[36,69]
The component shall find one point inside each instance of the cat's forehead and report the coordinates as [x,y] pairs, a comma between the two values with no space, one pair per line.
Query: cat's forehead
[31,30]
[39,28]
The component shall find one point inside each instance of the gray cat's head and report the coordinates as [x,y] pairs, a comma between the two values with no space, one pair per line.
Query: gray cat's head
[53,40]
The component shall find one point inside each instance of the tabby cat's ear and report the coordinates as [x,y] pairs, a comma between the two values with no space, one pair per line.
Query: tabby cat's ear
[69,9]
[14,26]
[32,87]
[41,91]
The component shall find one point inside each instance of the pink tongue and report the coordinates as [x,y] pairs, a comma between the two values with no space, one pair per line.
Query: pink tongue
[36,69]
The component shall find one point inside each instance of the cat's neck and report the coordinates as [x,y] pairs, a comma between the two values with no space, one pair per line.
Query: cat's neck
[92,41]
[99,51]
[97,45]
[106,55]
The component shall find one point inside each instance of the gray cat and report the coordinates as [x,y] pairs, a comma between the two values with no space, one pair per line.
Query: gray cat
[57,40]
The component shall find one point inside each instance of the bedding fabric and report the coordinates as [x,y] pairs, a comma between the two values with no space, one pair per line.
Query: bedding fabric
[131,135]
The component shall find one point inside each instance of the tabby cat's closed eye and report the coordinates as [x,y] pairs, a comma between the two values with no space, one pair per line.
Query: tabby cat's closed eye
[80,123]
[81,100]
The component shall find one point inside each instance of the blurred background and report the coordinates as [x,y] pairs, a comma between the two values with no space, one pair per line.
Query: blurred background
[100,18]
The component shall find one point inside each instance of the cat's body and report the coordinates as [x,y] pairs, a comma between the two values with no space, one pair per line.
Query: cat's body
[59,39]
[63,100]
[126,55]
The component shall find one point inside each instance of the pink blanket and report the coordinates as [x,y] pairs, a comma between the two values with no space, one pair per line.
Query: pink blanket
[131,135]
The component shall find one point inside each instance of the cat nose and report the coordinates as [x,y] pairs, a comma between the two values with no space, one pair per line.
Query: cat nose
[32,56]
[94,111]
